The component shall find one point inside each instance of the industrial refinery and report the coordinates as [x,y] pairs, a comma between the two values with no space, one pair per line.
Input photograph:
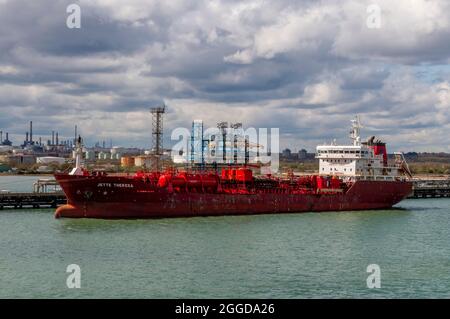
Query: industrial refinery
[45,156]
[224,144]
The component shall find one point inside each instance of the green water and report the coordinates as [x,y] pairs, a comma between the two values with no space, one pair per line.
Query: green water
[272,256]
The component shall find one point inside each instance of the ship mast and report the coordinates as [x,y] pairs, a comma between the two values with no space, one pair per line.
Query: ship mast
[78,170]
[355,132]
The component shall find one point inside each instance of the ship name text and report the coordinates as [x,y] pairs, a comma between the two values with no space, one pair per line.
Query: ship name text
[120,185]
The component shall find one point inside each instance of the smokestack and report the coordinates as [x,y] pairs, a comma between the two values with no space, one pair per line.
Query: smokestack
[7,136]
[53,137]
[40,140]
[1,136]
[57,140]
[31,131]
[26,137]
[75,139]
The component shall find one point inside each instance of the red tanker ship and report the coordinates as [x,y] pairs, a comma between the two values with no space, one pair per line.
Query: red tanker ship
[351,177]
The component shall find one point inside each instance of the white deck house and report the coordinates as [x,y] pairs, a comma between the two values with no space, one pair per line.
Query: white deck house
[349,160]
[357,160]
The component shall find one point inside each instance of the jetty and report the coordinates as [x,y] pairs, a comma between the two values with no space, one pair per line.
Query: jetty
[31,200]
[431,188]
[46,194]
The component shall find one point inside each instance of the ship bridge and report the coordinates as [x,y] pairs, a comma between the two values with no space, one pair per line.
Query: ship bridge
[349,160]
[367,160]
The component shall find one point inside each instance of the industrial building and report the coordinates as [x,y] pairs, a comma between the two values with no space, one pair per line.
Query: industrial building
[34,151]
[46,160]
[6,141]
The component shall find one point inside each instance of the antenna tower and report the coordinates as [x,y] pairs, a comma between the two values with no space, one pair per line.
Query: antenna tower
[157,134]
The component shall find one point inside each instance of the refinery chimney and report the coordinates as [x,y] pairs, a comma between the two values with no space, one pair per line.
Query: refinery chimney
[75,139]
[31,132]
[57,139]
[53,137]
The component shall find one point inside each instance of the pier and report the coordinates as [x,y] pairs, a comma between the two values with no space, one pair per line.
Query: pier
[46,194]
[31,200]
[431,188]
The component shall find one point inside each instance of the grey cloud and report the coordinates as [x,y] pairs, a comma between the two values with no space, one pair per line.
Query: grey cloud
[309,67]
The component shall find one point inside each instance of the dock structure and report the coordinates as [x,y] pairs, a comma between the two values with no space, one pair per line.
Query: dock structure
[46,194]
[32,200]
[431,188]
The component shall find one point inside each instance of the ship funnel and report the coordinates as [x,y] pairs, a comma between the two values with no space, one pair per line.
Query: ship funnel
[378,148]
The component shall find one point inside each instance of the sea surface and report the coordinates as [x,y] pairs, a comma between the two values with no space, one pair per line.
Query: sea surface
[312,255]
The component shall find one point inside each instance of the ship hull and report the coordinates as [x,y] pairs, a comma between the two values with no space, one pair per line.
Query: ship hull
[119,198]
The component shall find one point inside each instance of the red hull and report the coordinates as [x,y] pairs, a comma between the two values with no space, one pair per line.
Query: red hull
[124,197]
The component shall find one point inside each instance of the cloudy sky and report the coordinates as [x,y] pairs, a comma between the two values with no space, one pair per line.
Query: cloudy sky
[304,66]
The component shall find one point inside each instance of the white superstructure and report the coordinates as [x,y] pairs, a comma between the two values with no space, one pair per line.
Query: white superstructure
[78,169]
[366,160]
